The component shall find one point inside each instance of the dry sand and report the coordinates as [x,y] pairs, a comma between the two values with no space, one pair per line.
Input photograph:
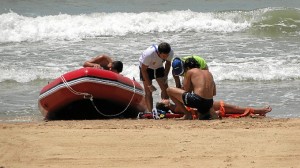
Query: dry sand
[245,142]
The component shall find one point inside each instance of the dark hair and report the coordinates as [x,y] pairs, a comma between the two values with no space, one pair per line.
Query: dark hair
[118,66]
[191,63]
[164,48]
[161,106]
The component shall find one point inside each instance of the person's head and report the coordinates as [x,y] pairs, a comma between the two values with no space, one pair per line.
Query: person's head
[177,66]
[117,66]
[191,63]
[164,49]
[162,106]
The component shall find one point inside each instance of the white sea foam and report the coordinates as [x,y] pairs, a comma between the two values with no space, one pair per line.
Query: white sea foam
[234,72]
[16,28]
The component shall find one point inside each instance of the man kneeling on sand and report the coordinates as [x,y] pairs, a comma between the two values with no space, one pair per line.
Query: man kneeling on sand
[198,91]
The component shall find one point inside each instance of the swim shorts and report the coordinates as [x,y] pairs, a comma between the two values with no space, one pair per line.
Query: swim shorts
[153,73]
[201,104]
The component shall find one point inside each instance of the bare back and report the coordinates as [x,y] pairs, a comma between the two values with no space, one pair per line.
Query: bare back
[201,82]
[103,60]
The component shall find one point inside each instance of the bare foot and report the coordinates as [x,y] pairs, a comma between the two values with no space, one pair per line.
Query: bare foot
[265,111]
[262,111]
[268,109]
[215,115]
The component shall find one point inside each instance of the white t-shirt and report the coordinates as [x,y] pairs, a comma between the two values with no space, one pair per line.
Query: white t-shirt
[151,59]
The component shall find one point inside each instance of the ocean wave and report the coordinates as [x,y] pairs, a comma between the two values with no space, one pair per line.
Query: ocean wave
[221,71]
[255,74]
[18,28]
[277,22]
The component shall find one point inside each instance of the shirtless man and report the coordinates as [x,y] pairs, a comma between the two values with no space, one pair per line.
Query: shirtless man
[198,91]
[106,63]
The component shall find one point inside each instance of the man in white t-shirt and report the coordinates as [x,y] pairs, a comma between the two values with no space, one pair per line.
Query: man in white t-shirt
[155,63]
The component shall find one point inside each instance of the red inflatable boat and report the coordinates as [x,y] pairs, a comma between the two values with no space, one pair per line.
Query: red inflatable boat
[90,93]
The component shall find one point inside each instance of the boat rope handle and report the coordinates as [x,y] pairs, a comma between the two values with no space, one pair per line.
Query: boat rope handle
[85,95]
[90,96]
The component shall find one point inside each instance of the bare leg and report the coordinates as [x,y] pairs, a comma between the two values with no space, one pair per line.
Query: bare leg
[262,111]
[240,110]
[148,97]
[163,87]
[176,96]
[171,106]
[176,109]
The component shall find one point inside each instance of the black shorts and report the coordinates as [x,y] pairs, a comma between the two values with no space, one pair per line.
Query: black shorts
[153,73]
[195,101]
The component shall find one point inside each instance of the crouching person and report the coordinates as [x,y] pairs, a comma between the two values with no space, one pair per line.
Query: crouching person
[198,91]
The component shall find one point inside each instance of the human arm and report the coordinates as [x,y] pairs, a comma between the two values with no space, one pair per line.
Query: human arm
[167,67]
[177,81]
[215,89]
[167,70]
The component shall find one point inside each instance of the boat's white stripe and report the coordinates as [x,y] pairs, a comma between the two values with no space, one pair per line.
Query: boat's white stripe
[92,80]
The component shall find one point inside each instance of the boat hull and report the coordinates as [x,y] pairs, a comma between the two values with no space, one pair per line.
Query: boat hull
[90,93]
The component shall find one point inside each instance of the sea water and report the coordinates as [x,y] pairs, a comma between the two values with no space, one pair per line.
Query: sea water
[252,47]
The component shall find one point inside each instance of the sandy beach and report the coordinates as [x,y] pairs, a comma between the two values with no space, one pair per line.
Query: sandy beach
[244,142]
